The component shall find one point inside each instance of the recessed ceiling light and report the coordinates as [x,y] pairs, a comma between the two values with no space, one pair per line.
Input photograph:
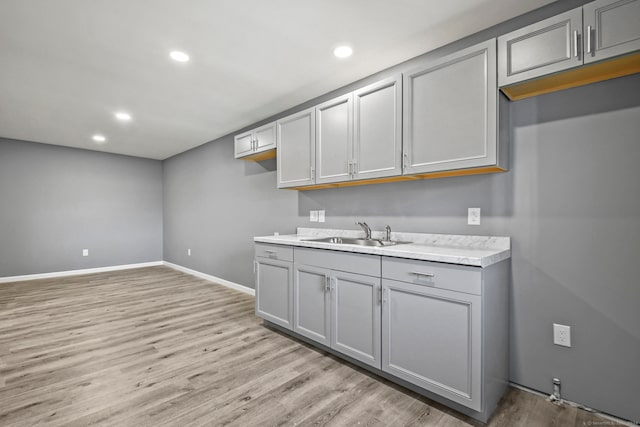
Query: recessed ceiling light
[98,138]
[343,51]
[179,56]
[125,117]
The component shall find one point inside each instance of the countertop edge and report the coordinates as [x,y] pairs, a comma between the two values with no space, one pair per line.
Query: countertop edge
[395,251]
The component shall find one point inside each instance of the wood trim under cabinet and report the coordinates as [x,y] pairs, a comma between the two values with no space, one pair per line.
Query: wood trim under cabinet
[606,70]
[258,157]
[430,175]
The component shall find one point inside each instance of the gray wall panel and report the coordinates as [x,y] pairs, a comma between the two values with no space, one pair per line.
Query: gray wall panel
[56,201]
[570,203]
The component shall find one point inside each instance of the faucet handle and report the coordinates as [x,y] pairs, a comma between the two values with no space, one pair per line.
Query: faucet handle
[387,230]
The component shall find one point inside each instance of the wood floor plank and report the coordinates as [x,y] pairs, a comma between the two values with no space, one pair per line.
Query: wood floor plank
[157,347]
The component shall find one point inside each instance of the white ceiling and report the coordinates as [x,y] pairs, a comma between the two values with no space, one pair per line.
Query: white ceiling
[67,65]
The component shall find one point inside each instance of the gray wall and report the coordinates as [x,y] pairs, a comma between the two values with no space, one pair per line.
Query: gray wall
[56,201]
[570,203]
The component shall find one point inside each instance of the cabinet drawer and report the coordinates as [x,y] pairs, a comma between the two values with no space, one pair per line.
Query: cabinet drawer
[283,253]
[368,265]
[459,278]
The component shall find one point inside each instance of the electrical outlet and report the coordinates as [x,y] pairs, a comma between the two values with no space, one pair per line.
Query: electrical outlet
[313,216]
[189,252]
[321,216]
[562,335]
[85,252]
[473,216]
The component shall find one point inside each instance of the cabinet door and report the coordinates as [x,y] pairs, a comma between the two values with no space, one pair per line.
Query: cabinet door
[243,144]
[612,28]
[542,48]
[274,291]
[265,137]
[312,307]
[296,141]
[356,316]
[451,108]
[432,338]
[378,129]
[334,140]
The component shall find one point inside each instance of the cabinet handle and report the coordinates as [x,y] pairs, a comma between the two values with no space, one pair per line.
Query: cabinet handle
[327,283]
[405,156]
[255,266]
[355,167]
[576,52]
[417,273]
[273,254]
[383,296]
[588,38]
[349,164]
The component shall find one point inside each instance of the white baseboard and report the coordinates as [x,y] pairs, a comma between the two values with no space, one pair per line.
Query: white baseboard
[78,272]
[218,280]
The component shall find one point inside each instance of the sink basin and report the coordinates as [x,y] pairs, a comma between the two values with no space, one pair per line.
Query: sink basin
[356,241]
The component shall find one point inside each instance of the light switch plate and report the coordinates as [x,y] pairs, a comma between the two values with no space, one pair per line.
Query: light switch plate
[85,252]
[562,335]
[313,216]
[321,215]
[473,216]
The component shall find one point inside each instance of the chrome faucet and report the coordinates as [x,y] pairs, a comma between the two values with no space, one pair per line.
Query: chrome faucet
[387,230]
[366,229]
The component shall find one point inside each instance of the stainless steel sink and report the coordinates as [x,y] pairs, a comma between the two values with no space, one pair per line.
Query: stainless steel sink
[356,241]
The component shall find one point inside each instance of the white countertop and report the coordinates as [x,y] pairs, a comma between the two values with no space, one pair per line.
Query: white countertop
[479,251]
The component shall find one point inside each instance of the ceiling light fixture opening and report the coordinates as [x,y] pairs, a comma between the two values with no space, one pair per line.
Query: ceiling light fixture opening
[121,115]
[179,56]
[99,138]
[343,51]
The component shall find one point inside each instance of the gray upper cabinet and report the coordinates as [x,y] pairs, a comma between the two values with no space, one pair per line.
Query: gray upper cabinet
[312,303]
[296,141]
[612,28]
[255,141]
[334,140]
[377,150]
[542,48]
[356,316]
[450,107]
[544,57]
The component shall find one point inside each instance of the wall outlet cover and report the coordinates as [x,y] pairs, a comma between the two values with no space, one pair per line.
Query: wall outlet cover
[473,216]
[313,216]
[189,252]
[562,335]
[85,252]
[321,216]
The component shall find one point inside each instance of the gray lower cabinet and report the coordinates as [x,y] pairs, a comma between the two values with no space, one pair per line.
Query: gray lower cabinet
[450,112]
[337,302]
[431,338]
[445,329]
[355,316]
[273,268]
[545,47]
[612,28]
[439,327]
[296,142]
[255,141]
[312,303]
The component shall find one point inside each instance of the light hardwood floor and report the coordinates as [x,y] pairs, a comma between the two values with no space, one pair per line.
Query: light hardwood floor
[156,347]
